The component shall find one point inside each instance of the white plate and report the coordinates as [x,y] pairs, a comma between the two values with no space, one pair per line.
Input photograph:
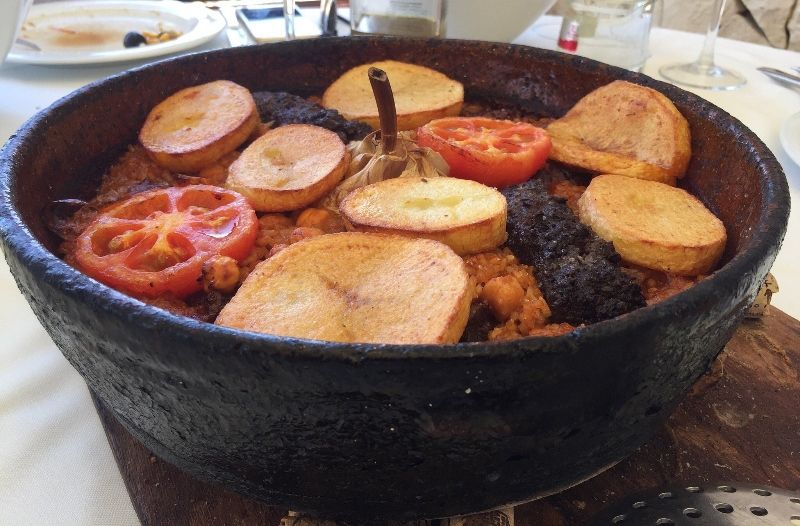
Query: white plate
[790,137]
[91,32]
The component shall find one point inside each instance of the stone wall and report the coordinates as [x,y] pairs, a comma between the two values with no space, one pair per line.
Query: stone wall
[768,22]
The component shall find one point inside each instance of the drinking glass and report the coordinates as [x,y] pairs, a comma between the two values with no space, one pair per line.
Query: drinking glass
[703,72]
[12,14]
[412,18]
[616,32]
[288,18]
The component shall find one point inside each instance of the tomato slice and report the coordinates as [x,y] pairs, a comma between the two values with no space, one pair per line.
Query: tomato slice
[156,242]
[491,151]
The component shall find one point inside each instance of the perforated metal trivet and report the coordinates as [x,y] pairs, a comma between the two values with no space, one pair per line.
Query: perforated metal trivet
[719,505]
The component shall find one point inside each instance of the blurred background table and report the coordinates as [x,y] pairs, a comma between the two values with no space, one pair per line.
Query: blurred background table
[56,466]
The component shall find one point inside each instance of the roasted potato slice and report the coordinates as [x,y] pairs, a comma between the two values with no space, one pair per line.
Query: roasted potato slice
[467,216]
[289,168]
[577,154]
[626,129]
[196,126]
[653,225]
[356,287]
[420,94]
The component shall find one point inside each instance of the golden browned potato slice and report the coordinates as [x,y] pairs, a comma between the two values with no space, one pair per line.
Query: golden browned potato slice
[577,154]
[420,94]
[196,126]
[289,168]
[467,216]
[626,129]
[653,225]
[356,287]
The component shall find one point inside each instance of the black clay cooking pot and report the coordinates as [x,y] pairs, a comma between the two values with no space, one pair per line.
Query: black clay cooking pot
[382,430]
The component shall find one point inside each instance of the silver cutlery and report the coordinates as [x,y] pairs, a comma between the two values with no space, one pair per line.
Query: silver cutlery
[28,44]
[781,75]
[328,17]
[237,35]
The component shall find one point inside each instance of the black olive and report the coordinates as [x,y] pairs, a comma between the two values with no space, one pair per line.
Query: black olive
[133,39]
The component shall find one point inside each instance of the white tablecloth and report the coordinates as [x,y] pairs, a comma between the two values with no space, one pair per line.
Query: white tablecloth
[55,464]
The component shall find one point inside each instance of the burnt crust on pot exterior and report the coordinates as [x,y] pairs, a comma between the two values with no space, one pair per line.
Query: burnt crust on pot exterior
[383,431]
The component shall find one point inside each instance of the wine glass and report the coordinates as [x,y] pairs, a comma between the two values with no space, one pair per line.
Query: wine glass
[703,73]
[288,18]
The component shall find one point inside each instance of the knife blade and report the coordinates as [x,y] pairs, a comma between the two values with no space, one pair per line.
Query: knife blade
[781,75]
[233,30]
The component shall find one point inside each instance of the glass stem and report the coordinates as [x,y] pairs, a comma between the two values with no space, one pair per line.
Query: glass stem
[288,18]
[706,58]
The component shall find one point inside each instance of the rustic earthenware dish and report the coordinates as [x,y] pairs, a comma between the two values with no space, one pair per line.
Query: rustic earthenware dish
[373,431]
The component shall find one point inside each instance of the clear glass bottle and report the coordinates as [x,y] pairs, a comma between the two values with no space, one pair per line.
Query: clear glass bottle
[414,18]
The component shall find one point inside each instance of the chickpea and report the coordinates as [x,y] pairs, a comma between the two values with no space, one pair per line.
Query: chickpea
[220,273]
[320,218]
[504,295]
[215,173]
[275,221]
[314,217]
[304,232]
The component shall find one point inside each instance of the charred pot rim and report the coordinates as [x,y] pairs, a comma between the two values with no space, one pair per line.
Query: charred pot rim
[734,278]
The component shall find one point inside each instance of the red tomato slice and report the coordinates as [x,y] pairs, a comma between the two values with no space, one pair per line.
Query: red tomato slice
[156,242]
[491,151]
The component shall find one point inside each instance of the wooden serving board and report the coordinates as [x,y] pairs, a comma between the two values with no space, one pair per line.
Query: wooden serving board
[741,422]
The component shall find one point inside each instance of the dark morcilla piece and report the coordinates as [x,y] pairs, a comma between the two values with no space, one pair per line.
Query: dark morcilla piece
[579,274]
[285,108]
